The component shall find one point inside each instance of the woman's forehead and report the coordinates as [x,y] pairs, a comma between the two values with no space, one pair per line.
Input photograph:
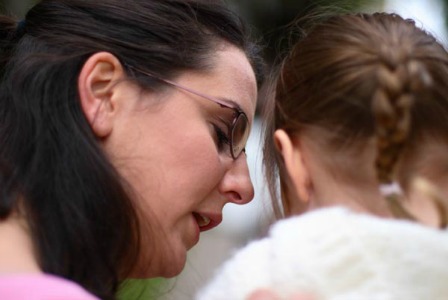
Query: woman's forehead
[236,79]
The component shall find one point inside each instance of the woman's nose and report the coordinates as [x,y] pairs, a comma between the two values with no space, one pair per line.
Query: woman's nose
[236,184]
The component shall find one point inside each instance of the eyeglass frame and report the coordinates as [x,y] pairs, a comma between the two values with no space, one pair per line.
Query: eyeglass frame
[238,112]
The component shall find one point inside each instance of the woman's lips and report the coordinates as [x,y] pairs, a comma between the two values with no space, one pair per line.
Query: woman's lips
[207,221]
[203,222]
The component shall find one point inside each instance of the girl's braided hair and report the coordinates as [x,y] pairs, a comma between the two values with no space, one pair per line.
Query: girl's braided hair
[358,78]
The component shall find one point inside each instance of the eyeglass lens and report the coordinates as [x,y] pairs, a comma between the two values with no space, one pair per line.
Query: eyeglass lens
[240,130]
[240,134]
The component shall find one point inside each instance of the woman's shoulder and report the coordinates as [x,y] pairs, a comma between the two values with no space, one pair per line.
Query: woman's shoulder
[338,253]
[41,287]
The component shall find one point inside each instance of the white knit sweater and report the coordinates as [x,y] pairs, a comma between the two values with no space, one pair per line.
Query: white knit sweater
[336,254]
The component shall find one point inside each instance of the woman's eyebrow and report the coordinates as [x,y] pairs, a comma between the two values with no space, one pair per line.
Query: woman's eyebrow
[231,103]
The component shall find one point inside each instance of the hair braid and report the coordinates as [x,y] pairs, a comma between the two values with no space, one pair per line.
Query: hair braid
[399,79]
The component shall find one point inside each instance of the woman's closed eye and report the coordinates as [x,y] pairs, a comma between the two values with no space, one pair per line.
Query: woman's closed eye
[222,138]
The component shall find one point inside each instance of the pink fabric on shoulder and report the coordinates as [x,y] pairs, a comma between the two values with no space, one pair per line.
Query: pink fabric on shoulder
[41,287]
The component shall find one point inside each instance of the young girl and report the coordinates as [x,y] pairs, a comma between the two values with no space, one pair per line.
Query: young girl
[122,132]
[358,132]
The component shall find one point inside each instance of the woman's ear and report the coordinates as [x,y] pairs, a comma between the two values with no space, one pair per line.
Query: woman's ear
[295,166]
[96,85]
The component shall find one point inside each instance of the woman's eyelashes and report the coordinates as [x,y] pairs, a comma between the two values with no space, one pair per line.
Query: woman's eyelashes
[222,138]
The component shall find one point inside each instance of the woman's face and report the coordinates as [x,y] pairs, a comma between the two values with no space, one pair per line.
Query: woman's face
[169,146]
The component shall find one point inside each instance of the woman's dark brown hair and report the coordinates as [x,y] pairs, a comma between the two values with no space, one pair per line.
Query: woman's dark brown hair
[82,220]
[358,78]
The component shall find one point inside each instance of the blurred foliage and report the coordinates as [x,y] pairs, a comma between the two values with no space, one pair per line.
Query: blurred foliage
[445,6]
[16,8]
[268,17]
[272,17]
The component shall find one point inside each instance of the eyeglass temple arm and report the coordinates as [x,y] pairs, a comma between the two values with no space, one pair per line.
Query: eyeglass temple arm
[181,87]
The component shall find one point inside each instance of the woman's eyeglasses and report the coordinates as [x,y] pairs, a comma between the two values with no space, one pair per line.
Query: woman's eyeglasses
[239,129]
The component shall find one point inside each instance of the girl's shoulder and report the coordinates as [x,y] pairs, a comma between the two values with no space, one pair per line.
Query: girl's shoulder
[41,287]
[335,253]
[339,224]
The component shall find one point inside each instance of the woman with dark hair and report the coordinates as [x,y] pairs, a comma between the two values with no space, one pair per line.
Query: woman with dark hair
[358,133]
[122,131]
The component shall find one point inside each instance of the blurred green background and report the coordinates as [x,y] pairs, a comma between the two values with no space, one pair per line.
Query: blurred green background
[268,17]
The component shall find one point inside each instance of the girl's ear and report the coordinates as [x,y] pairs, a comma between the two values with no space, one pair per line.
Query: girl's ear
[97,86]
[295,166]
